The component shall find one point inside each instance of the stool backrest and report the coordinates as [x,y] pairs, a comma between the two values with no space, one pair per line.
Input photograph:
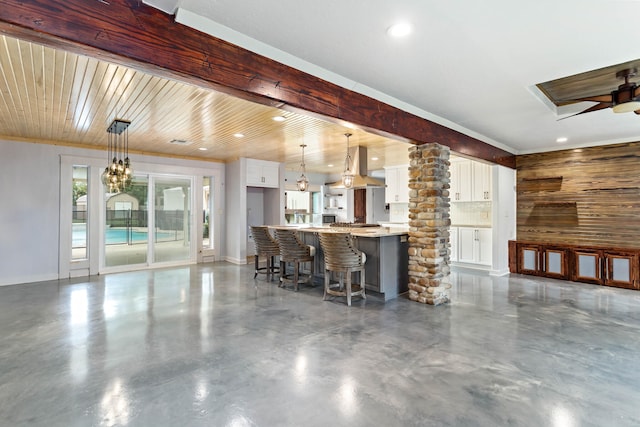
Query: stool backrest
[339,251]
[265,243]
[291,247]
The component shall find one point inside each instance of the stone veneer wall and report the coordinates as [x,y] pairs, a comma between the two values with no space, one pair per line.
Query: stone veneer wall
[429,223]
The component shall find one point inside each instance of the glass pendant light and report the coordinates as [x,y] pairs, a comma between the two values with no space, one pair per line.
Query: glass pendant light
[303,182]
[348,174]
[118,173]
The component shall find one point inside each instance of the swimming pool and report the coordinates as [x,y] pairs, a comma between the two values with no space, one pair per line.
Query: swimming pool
[118,236]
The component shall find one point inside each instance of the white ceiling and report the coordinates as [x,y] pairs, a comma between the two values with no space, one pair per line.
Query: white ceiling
[470,65]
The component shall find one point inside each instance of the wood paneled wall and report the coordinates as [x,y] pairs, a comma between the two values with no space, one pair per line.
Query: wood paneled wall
[587,196]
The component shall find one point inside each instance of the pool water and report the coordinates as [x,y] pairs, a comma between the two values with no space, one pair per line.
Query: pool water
[115,236]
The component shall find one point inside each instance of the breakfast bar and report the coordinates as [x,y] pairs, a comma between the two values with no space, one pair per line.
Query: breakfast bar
[386,268]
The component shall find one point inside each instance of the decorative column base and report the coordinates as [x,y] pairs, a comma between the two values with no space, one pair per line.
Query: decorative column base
[429,223]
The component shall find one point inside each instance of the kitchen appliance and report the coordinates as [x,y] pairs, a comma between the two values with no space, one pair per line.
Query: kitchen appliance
[328,218]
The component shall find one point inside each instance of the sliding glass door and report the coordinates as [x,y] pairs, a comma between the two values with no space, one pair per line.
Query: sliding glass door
[172,219]
[126,228]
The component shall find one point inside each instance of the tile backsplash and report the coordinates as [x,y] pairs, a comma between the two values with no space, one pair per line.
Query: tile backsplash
[471,213]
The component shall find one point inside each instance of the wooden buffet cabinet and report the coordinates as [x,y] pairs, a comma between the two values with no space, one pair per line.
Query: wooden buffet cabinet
[616,267]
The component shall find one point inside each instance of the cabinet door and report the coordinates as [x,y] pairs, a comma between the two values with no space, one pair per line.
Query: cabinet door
[271,175]
[402,184]
[453,242]
[397,181]
[587,266]
[464,185]
[263,174]
[454,184]
[621,269]
[528,259]
[467,245]
[460,181]
[254,174]
[555,263]
[391,181]
[485,248]
[481,182]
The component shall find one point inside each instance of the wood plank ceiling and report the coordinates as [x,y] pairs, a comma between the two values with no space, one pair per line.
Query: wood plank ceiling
[57,97]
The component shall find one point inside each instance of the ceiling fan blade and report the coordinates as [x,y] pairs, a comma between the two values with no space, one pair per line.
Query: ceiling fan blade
[600,106]
[637,111]
[595,98]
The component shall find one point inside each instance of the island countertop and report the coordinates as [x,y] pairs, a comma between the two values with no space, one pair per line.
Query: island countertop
[356,231]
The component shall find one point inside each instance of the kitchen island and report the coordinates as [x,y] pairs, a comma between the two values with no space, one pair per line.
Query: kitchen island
[386,268]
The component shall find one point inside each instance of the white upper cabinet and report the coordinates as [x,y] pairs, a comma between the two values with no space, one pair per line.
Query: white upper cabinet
[261,173]
[481,182]
[460,181]
[397,181]
[470,181]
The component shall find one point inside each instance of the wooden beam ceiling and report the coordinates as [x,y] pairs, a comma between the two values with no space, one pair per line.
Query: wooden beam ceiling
[139,36]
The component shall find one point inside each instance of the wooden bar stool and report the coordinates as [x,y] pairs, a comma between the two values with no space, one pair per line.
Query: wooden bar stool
[292,250]
[341,256]
[268,247]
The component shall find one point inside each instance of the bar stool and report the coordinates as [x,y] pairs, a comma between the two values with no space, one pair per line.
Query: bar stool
[341,256]
[292,250]
[268,247]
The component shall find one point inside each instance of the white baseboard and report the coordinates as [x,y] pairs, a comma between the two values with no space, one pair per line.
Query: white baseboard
[232,260]
[28,279]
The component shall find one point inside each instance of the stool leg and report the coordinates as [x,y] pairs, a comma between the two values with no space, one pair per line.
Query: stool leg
[362,284]
[326,284]
[256,274]
[347,286]
[296,272]
[282,268]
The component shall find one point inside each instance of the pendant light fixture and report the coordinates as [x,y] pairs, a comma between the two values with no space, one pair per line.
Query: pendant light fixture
[117,175]
[348,174]
[303,182]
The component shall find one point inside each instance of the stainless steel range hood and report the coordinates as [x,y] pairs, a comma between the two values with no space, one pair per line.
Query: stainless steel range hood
[359,166]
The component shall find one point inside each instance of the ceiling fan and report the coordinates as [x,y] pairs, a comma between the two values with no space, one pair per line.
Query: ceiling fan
[622,100]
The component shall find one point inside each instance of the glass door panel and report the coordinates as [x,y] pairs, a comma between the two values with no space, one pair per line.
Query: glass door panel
[171,236]
[126,225]
[207,220]
[79,232]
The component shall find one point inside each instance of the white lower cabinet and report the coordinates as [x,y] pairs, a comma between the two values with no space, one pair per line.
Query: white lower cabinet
[453,242]
[474,245]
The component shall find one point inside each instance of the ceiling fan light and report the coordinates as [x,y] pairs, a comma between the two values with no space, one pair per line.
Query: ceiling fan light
[626,107]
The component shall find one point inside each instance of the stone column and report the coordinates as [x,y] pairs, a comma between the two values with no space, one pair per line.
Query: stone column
[429,223]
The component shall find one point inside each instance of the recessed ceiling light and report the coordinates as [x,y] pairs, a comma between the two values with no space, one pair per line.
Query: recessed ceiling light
[279,119]
[329,166]
[374,158]
[238,135]
[203,148]
[400,29]
[562,139]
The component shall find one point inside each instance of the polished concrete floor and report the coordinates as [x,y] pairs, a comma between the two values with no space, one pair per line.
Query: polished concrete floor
[209,346]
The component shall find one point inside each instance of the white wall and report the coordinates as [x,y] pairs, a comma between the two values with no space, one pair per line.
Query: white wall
[29,216]
[30,204]
[236,213]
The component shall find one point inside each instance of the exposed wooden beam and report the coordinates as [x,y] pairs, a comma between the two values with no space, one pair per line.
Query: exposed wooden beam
[131,33]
